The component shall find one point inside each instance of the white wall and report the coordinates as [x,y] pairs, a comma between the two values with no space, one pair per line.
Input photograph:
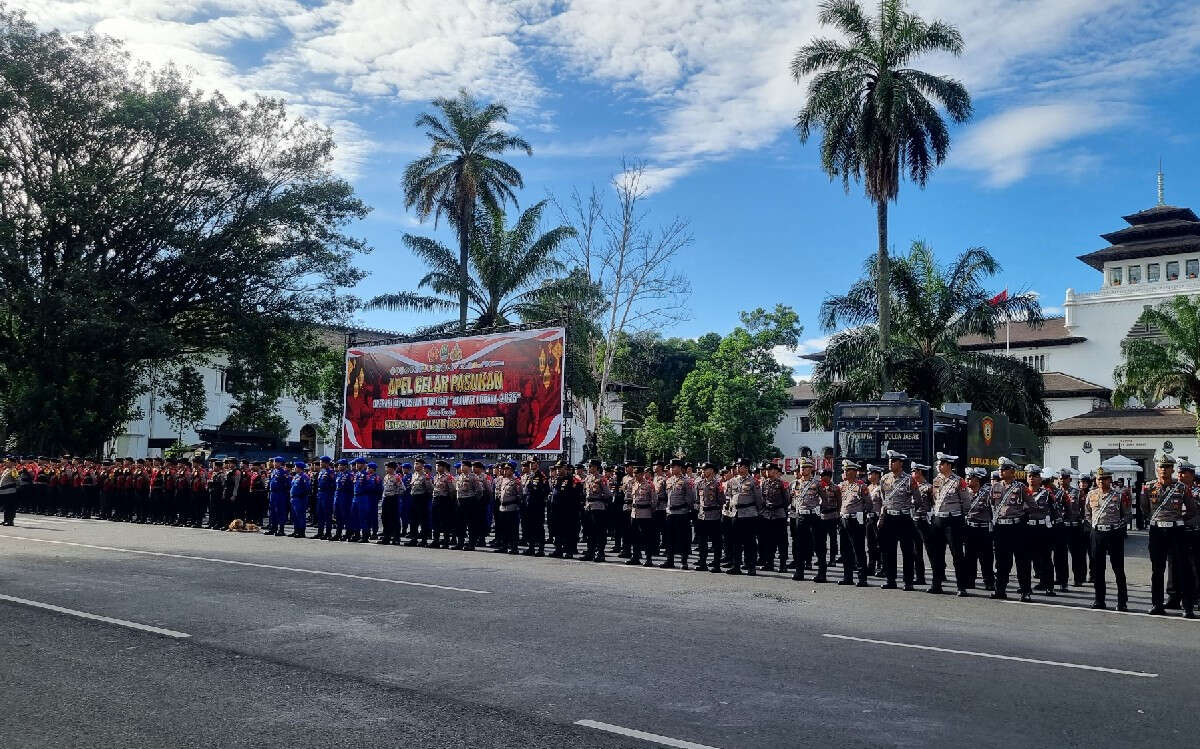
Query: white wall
[791,441]
[1059,449]
[1065,408]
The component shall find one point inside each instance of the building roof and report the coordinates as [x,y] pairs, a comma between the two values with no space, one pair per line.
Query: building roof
[1061,385]
[802,393]
[1127,421]
[1161,230]
[1052,333]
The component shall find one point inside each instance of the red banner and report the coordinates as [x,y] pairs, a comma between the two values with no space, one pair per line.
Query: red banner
[486,393]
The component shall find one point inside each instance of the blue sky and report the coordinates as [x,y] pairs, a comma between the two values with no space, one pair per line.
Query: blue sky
[1076,101]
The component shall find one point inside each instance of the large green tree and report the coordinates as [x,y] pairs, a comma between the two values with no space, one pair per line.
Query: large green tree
[877,113]
[730,404]
[1167,364]
[144,221]
[462,169]
[934,306]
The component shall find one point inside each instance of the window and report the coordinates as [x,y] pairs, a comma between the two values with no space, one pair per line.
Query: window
[1114,277]
[1192,269]
[1173,270]
[1152,273]
[1135,274]
[223,383]
[804,424]
[1037,361]
[1075,462]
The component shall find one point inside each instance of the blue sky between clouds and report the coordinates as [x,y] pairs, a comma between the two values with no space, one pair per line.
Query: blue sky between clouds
[1076,100]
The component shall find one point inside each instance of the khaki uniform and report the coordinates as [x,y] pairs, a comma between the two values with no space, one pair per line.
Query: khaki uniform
[947,529]
[896,527]
[1106,512]
[1171,505]
[710,498]
[854,500]
[744,497]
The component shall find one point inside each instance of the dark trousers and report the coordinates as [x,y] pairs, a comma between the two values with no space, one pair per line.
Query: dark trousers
[872,544]
[1040,546]
[8,501]
[644,538]
[745,532]
[897,531]
[533,526]
[978,555]
[729,542]
[1069,544]
[418,521]
[808,536]
[618,524]
[1169,546]
[1012,543]
[566,529]
[444,519]
[708,533]
[660,529]
[773,541]
[1110,545]
[391,517]
[506,530]
[597,531]
[947,532]
[920,545]
[854,548]
[679,537]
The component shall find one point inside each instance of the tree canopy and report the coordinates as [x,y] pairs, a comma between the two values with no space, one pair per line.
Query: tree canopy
[141,221]
[1166,365]
[934,306]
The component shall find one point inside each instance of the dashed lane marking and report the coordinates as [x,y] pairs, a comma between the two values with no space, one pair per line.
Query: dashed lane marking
[643,735]
[95,617]
[996,656]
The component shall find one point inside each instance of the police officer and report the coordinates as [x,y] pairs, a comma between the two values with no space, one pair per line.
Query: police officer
[628,486]
[977,520]
[508,510]
[896,522]
[393,485]
[1010,502]
[1070,542]
[773,538]
[922,506]
[874,474]
[9,477]
[279,486]
[1191,531]
[854,501]
[596,497]
[421,488]
[230,492]
[951,498]
[566,497]
[535,489]
[642,509]
[1039,522]
[744,498]
[368,490]
[1107,510]
[807,495]
[710,496]
[443,506]
[469,495]
[326,490]
[1171,505]
[299,491]
[680,501]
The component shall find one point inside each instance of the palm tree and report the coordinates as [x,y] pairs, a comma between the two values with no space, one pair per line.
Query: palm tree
[514,271]
[1166,365]
[878,114]
[462,169]
[934,307]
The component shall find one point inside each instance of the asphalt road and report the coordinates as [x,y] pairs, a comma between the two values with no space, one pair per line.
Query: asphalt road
[280,642]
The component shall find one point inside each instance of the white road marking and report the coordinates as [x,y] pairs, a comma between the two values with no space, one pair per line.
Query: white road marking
[996,656]
[1171,618]
[96,617]
[258,565]
[644,736]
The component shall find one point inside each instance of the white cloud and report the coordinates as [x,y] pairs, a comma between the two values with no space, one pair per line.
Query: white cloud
[793,358]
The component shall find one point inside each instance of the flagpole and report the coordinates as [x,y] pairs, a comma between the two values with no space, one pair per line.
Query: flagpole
[1007,327]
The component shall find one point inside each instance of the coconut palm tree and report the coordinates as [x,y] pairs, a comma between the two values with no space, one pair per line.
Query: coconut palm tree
[933,307]
[463,169]
[878,115]
[513,272]
[1167,364]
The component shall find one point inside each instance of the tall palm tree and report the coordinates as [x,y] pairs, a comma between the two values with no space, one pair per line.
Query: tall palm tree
[934,307]
[461,170]
[878,115]
[514,270]
[1166,365]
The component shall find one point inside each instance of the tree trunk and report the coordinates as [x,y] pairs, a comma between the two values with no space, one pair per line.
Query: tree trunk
[881,290]
[466,221]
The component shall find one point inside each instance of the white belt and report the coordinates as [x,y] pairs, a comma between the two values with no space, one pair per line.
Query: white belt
[979,524]
[946,514]
[859,516]
[1010,521]
[1167,523]
[1105,527]
[896,512]
[1070,523]
[808,512]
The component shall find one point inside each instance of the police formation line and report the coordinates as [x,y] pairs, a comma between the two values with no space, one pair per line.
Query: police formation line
[738,520]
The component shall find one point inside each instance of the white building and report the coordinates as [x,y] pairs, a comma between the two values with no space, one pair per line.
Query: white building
[1155,258]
